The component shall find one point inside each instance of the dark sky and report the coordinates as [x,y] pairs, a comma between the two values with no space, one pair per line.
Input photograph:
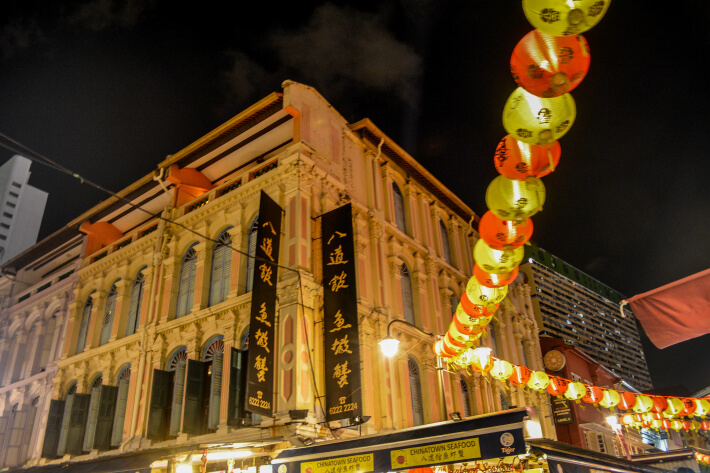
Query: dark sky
[109,88]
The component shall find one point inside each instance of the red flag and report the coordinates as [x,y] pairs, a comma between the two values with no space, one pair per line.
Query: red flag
[675,312]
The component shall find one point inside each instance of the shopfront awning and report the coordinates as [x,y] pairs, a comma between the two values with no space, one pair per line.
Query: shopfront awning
[471,439]
[564,458]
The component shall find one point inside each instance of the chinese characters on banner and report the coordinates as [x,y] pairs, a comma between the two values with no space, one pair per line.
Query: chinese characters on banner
[260,374]
[343,395]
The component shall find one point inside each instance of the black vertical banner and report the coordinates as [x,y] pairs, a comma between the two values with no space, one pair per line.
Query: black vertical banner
[343,395]
[260,377]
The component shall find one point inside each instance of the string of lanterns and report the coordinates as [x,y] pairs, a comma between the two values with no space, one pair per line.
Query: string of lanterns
[639,410]
[547,63]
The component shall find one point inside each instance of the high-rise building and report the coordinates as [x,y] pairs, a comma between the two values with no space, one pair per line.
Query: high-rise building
[21,208]
[575,307]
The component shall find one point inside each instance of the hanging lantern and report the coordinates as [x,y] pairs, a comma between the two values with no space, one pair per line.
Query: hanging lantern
[511,199]
[458,336]
[627,400]
[564,17]
[649,416]
[464,328]
[575,391]
[656,423]
[521,375]
[496,261]
[451,345]
[643,404]
[499,233]
[593,394]
[539,380]
[501,369]
[610,398]
[482,295]
[704,425]
[476,310]
[557,386]
[627,419]
[517,159]
[494,280]
[441,350]
[481,359]
[469,324]
[676,424]
[538,120]
[666,424]
[688,406]
[548,66]
[675,406]
[702,407]
[659,403]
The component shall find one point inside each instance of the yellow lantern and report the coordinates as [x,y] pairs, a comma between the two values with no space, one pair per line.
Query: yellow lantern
[479,294]
[610,398]
[702,407]
[456,334]
[564,17]
[501,369]
[656,423]
[575,391]
[481,359]
[511,199]
[470,324]
[497,261]
[676,424]
[643,404]
[675,406]
[538,120]
[538,380]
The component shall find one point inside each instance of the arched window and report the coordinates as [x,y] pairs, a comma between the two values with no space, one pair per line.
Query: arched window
[186,291]
[221,266]
[446,251]
[84,326]
[109,310]
[135,304]
[415,388]
[398,208]
[504,406]
[251,251]
[407,296]
[93,413]
[214,354]
[454,301]
[465,397]
[178,365]
[119,419]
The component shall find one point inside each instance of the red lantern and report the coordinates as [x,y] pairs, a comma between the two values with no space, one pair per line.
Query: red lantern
[666,424]
[548,66]
[475,310]
[557,386]
[516,159]
[499,233]
[627,402]
[689,406]
[687,425]
[593,394]
[659,404]
[705,425]
[494,280]
[521,375]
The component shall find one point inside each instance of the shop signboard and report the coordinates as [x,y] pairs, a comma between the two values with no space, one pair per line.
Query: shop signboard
[561,411]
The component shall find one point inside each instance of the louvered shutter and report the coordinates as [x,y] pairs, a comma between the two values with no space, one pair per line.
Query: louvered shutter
[215,390]
[398,208]
[54,426]
[64,426]
[178,395]
[226,271]
[251,251]
[27,436]
[415,388]
[187,283]
[90,431]
[407,299]
[14,436]
[216,279]
[104,421]
[237,383]
[445,241]
[109,310]
[77,423]
[134,306]
[159,404]
[4,430]
[84,327]
[194,411]
[120,417]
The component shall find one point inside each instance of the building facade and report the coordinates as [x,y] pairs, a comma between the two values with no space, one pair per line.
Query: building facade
[36,287]
[575,307]
[160,342]
[21,208]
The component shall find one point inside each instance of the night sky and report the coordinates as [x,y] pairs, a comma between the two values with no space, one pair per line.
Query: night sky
[109,88]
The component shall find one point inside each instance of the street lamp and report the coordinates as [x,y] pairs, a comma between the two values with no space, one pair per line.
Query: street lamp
[390,344]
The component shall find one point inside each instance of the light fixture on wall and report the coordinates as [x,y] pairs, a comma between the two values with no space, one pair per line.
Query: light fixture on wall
[358,420]
[300,441]
[390,344]
[455,416]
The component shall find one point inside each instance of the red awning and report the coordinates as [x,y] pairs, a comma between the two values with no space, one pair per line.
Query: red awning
[675,312]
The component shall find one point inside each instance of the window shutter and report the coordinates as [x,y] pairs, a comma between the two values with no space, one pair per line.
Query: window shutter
[84,327]
[77,423]
[29,430]
[104,421]
[108,316]
[93,415]
[134,307]
[159,403]
[64,426]
[237,385]
[54,426]
[4,420]
[251,251]
[178,394]
[120,417]
[194,411]
[221,261]
[415,388]
[226,270]
[445,241]
[14,436]
[464,395]
[398,208]
[187,283]
[215,390]
[407,300]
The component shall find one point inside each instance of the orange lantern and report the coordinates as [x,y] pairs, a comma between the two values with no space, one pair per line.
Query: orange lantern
[627,400]
[593,394]
[704,425]
[643,404]
[521,375]
[472,324]
[687,425]
[476,310]
[659,403]
[688,406]
[494,280]
[517,159]
[548,66]
[499,233]
[610,398]
[666,424]
[442,350]
[575,391]
[557,386]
